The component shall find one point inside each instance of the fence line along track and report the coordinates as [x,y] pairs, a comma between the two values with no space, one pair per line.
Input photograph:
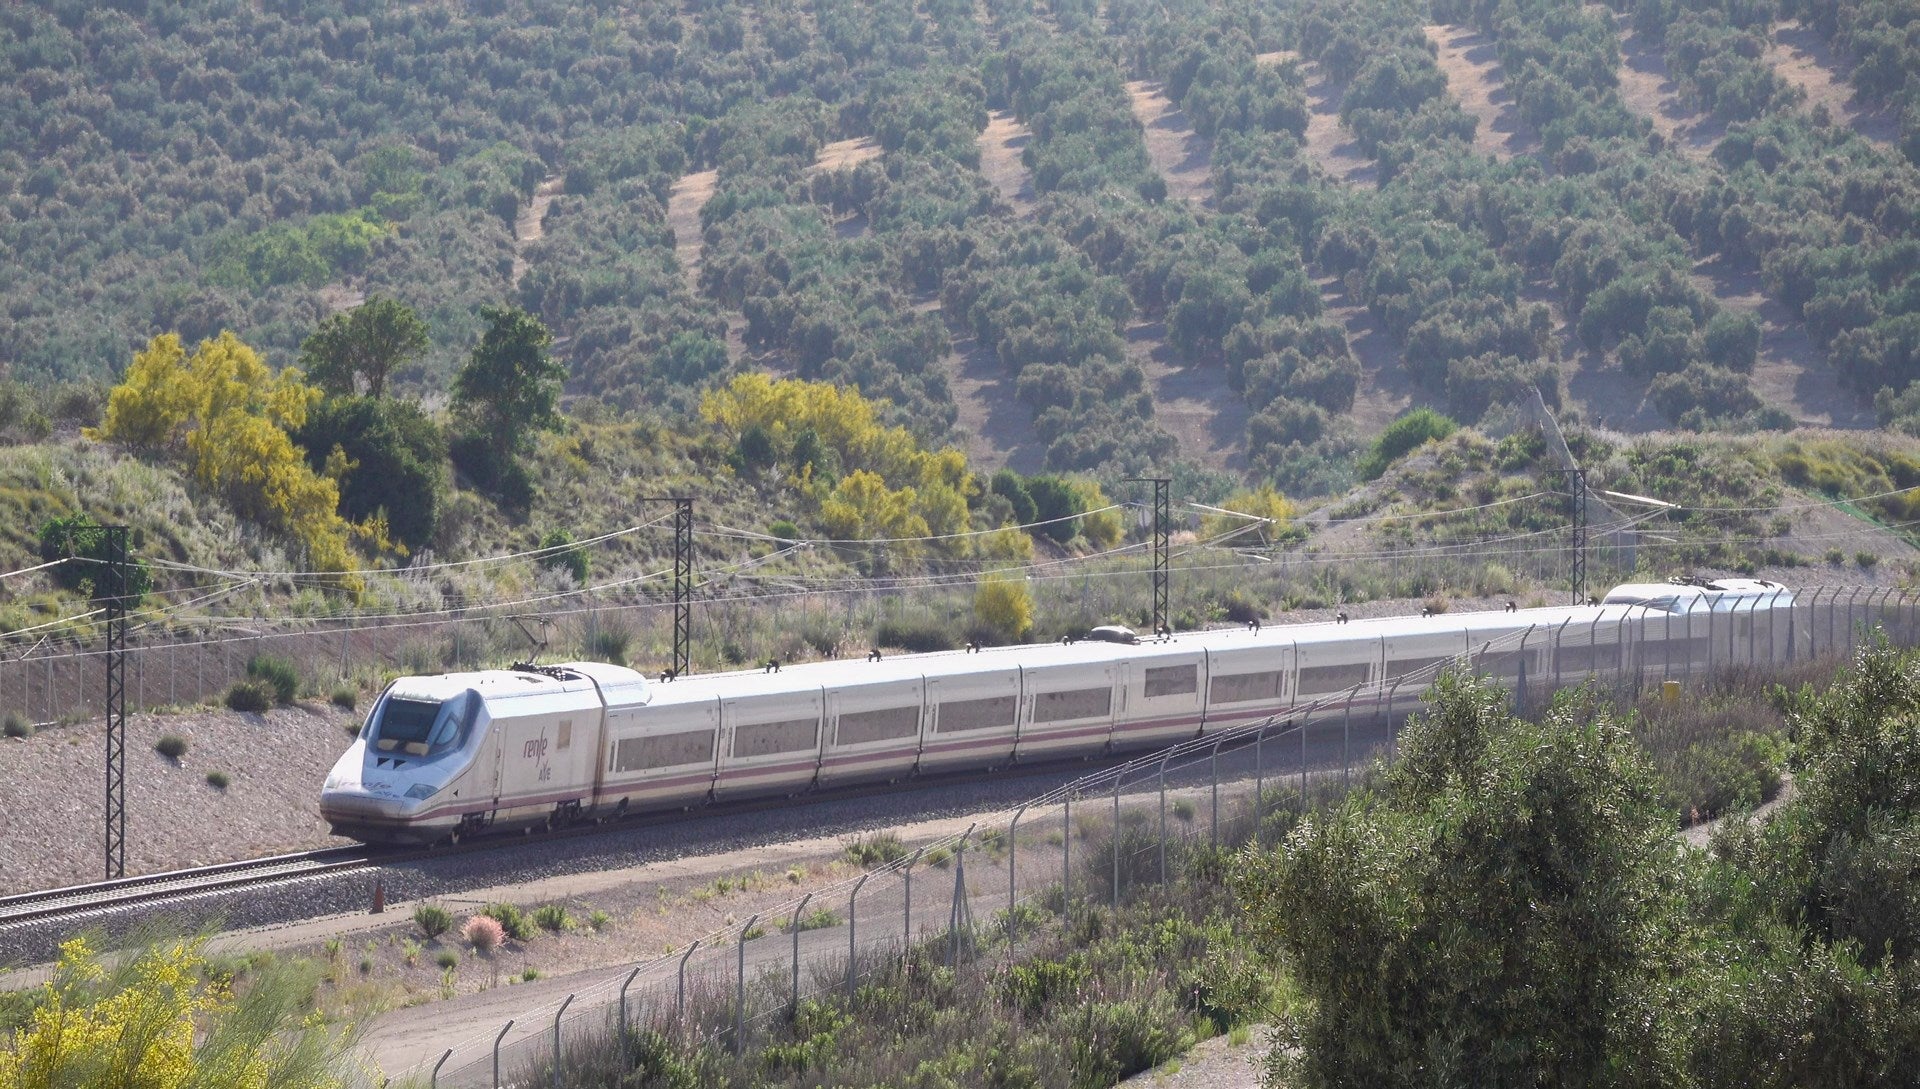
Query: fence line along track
[78,901]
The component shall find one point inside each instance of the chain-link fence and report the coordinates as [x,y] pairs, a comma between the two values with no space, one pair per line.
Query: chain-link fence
[1111,834]
[61,677]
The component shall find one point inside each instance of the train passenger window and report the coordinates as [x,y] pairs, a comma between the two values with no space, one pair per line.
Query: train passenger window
[1315,680]
[1078,703]
[860,727]
[960,715]
[1173,680]
[663,751]
[765,738]
[1400,667]
[1245,687]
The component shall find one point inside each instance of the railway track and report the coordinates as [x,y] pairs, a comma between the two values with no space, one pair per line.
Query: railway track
[78,902]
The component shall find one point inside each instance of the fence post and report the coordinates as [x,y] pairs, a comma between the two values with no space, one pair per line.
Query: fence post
[740,991]
[557,1015]
[959,907]
[1304,719]
[680,996]
[795,930]
[1346,738]
[1213,833]
[504,1029]
[1066,850]
[1118,777]
[1013,844]
[853,960]
[433,1080]
[623,999]
[1163,815]
[906,915]
[1259,776]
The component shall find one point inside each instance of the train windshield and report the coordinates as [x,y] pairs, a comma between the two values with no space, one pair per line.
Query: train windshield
[421,727]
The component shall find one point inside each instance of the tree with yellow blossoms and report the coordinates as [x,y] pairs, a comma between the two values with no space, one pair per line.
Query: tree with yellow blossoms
[153,1020]
[891,486]
[227,415]
[1270,512]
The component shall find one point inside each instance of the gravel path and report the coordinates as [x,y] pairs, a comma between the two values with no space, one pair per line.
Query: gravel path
[1212,1064]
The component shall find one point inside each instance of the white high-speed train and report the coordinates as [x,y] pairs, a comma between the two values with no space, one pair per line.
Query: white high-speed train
[457,754]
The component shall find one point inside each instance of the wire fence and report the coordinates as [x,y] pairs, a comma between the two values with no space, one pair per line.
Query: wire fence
[739,618]
[1112,835]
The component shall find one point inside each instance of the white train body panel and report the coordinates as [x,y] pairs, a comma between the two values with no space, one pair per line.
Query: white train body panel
[514,748]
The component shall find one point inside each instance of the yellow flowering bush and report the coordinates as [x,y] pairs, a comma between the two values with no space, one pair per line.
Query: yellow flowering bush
[153,1021]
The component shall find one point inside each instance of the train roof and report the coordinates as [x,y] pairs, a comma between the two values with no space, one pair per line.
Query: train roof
[618,684]
[905,667]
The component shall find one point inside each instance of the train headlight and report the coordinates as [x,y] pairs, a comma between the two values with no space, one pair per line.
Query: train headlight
[422,791]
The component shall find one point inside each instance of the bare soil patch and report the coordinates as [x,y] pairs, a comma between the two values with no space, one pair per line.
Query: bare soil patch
[1001,144]
[1803,58]
[1606,396]
[1386,390]
[1474,75]
[1328,141]
[1789,373]
[1649,90]
[999,428]
[337,297]
[531,225]
[1192,400]
[690,194]
[1217,1063]
[1183,157]
[842,154]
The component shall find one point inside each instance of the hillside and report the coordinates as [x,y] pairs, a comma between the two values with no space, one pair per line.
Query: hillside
[1226,243]
[1105,215]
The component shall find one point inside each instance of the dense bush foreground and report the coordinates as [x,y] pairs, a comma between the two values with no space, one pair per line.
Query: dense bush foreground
[1508,908]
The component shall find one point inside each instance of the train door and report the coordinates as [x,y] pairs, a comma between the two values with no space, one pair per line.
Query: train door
[1160,700]
[972,719]
[770,743]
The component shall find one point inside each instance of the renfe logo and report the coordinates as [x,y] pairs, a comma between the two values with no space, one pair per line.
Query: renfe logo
[536,749]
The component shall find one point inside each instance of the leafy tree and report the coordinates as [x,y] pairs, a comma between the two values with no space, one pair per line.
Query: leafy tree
[365,344]
[79,537]
[561,555]
[227,414]
[1494,916]
[1007,484]
[399,456]
[1056,504]
[1004,607]
[507,391]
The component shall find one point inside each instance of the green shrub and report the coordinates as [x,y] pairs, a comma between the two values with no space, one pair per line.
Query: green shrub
[1866,561]
[528,975]
[512,920]
[254,696]
[1183,809]
[1401,437]
[916,636]
[345,698]
[218,780]
[598,919]
[562,555]
[278,674]
[16,725]
[446,959]
[432,919]
[552,917]
[171,746]
[878,849]
[611,644]
[939,858]
[784,530]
